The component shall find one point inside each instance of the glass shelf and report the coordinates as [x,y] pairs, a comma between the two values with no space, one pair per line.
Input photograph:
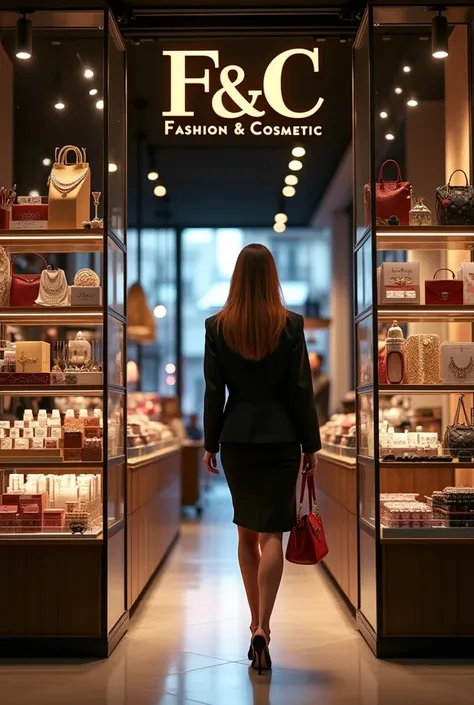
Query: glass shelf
[67,316]
[428,237]
[51,391]
[57,241]
[393,389]
[418,313]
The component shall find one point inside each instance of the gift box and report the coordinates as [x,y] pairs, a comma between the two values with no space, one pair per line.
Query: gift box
[28,200]
[92,454]
[72,439]
[8,518]
[24,379]
[54,519]
[86,296]
[29,216]
[457,363]
[33,356]
[93,432]
[466,274]
[31,518]
[72,455]
[399,282]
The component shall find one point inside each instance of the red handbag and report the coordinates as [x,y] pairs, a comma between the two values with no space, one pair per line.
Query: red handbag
[307,543]
[24,288]
[444,291]
[392,198]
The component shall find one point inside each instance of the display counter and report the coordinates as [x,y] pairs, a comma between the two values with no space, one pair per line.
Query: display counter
[153,511]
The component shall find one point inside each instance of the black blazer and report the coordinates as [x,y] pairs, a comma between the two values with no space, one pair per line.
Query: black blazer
[270,400]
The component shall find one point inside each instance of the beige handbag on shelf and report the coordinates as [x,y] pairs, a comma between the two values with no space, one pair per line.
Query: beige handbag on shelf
[422,359]
[69,190]
[53,288]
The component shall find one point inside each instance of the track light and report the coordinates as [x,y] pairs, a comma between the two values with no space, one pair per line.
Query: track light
[291,180]
[295,165]
[24,39]
[281,217]
[298,151]
[88,73]
[439,36]
[288,191]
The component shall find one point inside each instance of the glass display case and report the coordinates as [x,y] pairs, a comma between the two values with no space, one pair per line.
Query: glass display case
[413,243]
[63,313]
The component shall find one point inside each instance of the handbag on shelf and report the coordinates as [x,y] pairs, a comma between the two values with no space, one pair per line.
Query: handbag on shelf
[53,288]
[459,437]
[392,198]
[455,204]
[307,544]
[69,190]
[444,291]
[5,279]
[422,359]
[25,287]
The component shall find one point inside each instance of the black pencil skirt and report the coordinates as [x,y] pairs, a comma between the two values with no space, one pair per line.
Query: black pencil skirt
[262,480]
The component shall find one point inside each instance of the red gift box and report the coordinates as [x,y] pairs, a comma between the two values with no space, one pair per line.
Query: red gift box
[11,500]
[54,519]
[30,211]
[8,518]
[444,291]
[27,501]
[24,378]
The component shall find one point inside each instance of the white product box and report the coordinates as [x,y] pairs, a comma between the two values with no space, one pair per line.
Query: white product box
[29,224]
[86,296]
[466,273]
[399,282]
[457,363]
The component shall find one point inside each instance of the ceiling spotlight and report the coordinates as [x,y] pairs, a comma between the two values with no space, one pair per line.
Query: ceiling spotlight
[160,311]
[59,104]
[24,39]
[398,90]
[298,151]
[406,69]
[281,218]
[34,194]
[112,167]
[288,191]
[389,136]
[279,227]
[412,103]
[93,91]
[88,73]
[384,114]
[159,191]
[100,104]
[152,175]
[439,36]
[47,162]
[295,165]
[291,180]
[170,368]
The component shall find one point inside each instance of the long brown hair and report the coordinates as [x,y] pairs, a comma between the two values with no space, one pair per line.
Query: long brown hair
[254,315]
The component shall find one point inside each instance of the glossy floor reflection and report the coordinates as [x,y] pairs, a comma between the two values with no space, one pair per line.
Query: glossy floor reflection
[189,637]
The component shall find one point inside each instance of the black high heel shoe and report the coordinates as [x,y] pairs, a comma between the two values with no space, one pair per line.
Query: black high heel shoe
[261,655]
[250,652]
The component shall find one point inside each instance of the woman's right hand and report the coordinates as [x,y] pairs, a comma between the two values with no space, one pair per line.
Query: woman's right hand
[309,463]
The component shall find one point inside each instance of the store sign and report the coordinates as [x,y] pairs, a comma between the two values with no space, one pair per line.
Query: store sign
[247,107]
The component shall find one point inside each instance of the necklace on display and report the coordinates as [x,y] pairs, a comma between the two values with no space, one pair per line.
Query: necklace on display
[66,188]
[461,372]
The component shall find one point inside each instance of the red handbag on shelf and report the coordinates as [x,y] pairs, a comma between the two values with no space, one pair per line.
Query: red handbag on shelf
[392,198]
[307,544]
[444,291]
[25,287]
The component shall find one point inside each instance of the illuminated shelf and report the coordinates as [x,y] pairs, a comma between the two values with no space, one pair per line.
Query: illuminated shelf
[426,389]
[429,532]
[66,316]
[57,390]
[55,465]
[18,241]
[408,313]
[428,237]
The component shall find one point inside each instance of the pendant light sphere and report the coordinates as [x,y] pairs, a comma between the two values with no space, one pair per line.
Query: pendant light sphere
[281,218]
[439,37]
[291,180]
[159,191]
[295,165]
[24,39]
[152,175]
[288,191]
[298,152]
[279,227]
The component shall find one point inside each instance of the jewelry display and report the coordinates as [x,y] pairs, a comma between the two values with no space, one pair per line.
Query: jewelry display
[7,198]
[461,372]
[69,189]
[420,214]
[96,223]
[79,352]
[53,289]
[86,277]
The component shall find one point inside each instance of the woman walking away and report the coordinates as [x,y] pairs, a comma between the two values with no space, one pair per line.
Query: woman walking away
[256,348]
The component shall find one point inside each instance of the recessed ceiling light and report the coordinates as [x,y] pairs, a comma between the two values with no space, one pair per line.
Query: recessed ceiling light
[88,73]
[152,175]
[47,161]
[398,90]
[59,105]
[170,368]
[295,165]
[112,167]
[406,69]
[279,227]
[281,218]
[93,91]
[100,104]
[288,191]
[384,114]
[412,103]
[291,180]
[298,151]
[389,136]
[159,191]
[160,311]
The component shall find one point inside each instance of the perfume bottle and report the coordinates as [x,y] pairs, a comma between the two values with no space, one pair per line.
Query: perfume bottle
[395,360]
[419,214]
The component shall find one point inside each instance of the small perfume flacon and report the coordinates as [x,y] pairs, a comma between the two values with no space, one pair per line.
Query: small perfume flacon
[420,214]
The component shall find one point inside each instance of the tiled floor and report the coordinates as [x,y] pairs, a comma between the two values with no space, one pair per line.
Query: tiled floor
[189,637]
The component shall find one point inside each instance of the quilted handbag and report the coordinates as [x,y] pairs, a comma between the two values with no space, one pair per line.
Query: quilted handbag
[455,204]
[459,436]
[444,291]
[307,544]
[25,287]
[392,198]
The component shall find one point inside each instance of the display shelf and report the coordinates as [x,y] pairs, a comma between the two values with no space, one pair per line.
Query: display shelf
[392,389]
[337,457]
[57,466]
[434,532]
[429,237]
[64,316]
[416,313]
[57,241]
[142,454]
[455,464]
[50,391]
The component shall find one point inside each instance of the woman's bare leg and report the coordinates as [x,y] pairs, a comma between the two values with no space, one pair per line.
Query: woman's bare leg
[269,576]
[249,560]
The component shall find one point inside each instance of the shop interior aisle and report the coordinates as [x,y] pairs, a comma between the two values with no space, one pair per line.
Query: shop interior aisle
[189,637]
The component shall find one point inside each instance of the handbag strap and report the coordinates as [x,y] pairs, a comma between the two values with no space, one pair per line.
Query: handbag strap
[62,155]
[460,406]
[399,173]
[444,269]
[455,172]
[308,483]
[33,253]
